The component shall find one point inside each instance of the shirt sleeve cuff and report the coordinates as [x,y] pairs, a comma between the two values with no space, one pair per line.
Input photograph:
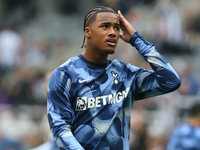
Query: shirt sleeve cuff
[135,36]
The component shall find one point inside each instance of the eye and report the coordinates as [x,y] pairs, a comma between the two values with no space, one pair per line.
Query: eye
[117,28]
[104,26]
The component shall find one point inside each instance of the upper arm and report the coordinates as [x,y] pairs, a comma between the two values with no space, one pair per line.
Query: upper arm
[152,83]
[59,109]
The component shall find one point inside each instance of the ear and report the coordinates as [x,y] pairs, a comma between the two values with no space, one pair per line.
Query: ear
[87,32]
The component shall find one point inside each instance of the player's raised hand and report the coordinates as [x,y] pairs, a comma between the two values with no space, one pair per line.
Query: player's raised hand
[126,27]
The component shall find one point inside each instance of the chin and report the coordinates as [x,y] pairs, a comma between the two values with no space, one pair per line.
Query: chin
[109,51]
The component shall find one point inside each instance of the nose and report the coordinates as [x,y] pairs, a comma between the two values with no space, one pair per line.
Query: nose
[112,32]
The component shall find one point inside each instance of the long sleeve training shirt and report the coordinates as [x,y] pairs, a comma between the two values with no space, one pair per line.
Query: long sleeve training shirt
[89,105]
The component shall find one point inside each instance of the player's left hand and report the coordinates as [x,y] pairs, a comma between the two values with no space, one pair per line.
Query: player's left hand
[126,27]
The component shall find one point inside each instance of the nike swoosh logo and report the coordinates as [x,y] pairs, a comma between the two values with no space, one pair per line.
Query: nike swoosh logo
[81,81]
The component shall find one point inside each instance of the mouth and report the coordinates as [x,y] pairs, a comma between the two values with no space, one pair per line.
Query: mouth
[111,42]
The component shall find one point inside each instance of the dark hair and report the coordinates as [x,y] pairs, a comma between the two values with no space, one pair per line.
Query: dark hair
[91,16]
[194,110]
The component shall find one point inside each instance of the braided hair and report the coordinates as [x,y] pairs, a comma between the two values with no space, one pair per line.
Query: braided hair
[91,17]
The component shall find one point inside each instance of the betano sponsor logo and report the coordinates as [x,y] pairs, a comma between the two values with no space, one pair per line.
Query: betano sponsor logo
[84,103]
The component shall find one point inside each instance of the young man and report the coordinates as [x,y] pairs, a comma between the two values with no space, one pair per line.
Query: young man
[187,135]
[90,97]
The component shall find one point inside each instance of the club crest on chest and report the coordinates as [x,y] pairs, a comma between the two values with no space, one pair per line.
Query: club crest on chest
[115,75]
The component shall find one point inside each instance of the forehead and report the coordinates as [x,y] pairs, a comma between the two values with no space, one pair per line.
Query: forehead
[106,17]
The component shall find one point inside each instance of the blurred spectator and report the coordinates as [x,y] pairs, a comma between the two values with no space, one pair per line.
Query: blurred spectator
[196,21]
[7,144]
[170,22]
[189,85]
[10,42]
[125,5]
[17,127]
[36,54]
[37,88]
[66,7]
[170,27]
[109,3]
[135,17]
[148,2]
[21,55]
[5,98]
[159,115]
[49,143]
[187,135]
[32,54]
[138,131]
[58,48]
[19,11]
[17,85]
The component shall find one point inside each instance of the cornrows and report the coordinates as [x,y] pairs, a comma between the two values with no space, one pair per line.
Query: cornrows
[91,17]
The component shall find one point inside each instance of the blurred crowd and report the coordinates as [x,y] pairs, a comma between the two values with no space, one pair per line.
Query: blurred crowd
[26,63]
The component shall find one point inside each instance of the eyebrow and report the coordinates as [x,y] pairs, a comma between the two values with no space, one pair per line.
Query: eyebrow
[108,23]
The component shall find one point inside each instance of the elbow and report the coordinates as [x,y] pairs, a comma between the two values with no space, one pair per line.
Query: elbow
[177,83]
[170,85]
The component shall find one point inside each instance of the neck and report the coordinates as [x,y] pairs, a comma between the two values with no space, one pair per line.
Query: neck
[92,56]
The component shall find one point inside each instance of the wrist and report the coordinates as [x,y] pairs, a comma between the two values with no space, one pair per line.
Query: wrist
[141,44]
[133,38]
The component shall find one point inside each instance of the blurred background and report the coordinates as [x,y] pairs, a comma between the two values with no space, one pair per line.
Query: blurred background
[36,36]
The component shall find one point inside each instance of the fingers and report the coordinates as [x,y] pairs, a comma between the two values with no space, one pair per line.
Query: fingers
[126,27]
[120,16]
[121,20]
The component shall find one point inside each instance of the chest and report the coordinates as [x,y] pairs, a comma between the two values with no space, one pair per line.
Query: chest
[99,89]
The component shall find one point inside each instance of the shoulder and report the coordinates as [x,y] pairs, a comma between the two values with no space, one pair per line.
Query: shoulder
[69,66]
[70,63]
[124,65]
[64,72]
